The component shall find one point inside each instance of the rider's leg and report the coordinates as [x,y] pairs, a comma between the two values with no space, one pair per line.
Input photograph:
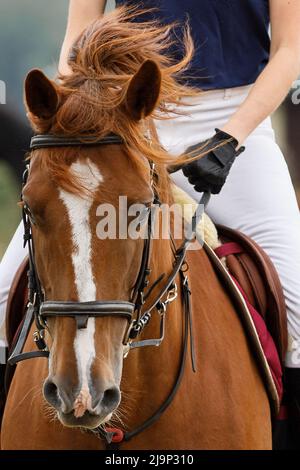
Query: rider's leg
[10,262]
[258,197]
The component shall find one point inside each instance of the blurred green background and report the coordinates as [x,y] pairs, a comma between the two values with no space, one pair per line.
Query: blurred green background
[31,34]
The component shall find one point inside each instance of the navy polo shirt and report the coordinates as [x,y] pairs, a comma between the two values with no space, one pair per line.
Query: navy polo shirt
[231,37]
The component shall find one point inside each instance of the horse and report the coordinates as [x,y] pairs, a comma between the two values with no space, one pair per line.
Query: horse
[92,145]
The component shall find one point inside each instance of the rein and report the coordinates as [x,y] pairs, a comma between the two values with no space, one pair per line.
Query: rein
[38,309]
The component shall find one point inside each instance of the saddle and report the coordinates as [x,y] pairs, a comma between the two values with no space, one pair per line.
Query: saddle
[255,273]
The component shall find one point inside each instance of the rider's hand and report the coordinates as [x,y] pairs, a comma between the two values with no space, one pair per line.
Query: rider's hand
[209,173]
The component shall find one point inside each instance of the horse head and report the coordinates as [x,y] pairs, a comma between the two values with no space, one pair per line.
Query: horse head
[75,264]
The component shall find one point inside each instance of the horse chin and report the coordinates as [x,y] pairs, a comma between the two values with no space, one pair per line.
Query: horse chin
[88,420]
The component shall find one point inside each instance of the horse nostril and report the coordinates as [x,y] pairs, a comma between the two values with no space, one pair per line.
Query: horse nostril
[111,398]
[51,393]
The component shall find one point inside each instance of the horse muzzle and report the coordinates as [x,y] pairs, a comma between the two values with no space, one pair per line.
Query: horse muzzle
[84,409]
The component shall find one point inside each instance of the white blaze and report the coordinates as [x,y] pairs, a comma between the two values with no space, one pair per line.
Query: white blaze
[78,209]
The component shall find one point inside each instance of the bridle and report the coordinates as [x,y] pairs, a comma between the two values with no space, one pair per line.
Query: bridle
[134,311]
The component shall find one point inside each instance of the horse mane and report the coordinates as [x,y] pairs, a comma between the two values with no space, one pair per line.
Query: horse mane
[103,60]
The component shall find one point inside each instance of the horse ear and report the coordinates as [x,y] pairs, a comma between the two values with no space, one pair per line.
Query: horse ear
[41,96]
[143,91]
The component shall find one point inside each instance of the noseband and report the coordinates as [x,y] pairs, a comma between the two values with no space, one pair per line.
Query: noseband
[134,311]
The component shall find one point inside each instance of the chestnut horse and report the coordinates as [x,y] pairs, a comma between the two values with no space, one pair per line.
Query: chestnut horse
[120,80]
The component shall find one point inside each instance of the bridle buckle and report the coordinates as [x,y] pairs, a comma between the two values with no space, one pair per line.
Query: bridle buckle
[39,339]
[172,294]
[126,349]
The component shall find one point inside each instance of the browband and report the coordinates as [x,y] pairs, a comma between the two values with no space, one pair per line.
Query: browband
[50,140]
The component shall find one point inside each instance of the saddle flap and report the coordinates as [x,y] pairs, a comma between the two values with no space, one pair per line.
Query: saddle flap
[256,274]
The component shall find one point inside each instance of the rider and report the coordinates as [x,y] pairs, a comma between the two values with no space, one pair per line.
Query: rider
[244,76]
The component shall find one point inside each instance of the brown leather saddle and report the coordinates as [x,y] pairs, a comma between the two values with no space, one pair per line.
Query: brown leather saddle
[257,276]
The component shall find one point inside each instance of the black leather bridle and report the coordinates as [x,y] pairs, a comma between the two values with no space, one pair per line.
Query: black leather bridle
[39,309]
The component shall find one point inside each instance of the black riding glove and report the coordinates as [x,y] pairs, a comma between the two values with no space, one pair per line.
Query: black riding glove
[209,173]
